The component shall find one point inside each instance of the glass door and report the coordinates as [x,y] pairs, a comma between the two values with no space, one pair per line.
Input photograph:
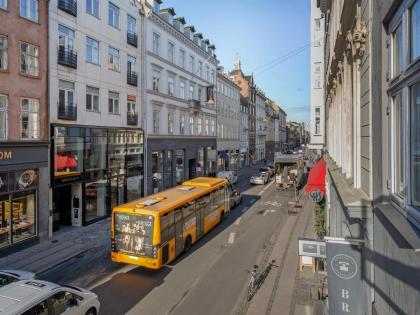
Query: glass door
[4,221]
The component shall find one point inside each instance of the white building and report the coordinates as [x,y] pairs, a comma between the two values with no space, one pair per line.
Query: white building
[282,128]
[95,96]
[317,78]
[244,131]
[261,126]
[180,111]
[228,107]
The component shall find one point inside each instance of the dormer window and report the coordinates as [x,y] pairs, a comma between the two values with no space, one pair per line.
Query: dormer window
[197,38]
[156,6]
[188,31]
[167,14]
[179,23]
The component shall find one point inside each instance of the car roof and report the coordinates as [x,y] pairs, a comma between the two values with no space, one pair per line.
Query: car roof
[18,273]
[17,296]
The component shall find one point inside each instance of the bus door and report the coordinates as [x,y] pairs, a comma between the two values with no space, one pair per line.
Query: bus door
[199,215]
[179,244]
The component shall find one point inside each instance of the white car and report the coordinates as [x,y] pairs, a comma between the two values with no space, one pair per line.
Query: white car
[231,176]
[259,179]
[10,276]
[30,297]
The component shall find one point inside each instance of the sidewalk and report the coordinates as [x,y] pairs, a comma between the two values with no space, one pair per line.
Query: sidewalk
[63,246]
[286,290]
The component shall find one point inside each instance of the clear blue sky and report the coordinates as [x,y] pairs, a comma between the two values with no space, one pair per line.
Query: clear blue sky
[260,31]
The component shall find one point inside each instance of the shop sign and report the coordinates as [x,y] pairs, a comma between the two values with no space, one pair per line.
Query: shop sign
[311,247]
[345,291]
[316,195]
[24,154]
[6,155]
[4,182]
[26,179]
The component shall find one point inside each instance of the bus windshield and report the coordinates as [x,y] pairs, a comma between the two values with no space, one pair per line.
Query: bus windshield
[133,234]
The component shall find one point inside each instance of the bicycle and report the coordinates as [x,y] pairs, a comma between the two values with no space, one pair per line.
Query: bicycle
[255,282]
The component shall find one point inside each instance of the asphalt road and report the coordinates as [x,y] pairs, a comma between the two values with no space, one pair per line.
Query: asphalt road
[210,279]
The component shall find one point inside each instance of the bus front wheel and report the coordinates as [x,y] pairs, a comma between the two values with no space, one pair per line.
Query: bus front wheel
[187,244]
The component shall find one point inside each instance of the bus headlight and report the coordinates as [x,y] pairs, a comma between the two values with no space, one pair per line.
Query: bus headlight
[155,249]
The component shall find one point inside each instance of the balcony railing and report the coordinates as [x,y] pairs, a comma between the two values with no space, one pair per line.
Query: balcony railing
[132,119]
[67,111]
[69,6]
[67,57]
[194,104]
[132,78]
[132,38]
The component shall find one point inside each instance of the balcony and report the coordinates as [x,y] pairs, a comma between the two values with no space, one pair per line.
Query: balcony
[132,78]
[69,6]
[132,39]
[132,119]
[67,57]
[67,111]
[194,104]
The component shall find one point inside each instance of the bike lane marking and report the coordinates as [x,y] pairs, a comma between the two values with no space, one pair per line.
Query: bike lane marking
[238,220]
[231,238]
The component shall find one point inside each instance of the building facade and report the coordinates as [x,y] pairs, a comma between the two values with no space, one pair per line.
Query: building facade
[372,88]
[24,176]
[282,128]
[243,131]
[317,124]
[95,84]
[228,109]
[261,127]
[272,117]
[180,115]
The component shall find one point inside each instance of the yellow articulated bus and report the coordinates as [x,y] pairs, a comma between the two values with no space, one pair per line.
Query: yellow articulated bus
[152,231]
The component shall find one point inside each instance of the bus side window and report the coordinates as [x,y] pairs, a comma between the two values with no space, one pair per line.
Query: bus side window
[188,210]
[167,228]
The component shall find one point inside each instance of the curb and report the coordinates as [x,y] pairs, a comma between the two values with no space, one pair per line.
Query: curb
[57,263]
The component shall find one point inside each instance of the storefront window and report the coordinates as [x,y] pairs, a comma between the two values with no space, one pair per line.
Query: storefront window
[117,149]
[415,145]
[95,194]
[134,183]
[200,163]
[24,205]
[157,171]
[4,221]
[179,166]
[169,169]
[68,147]
[95,151]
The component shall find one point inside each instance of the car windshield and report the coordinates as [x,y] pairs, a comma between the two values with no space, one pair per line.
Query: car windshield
[5,279]
[258,175]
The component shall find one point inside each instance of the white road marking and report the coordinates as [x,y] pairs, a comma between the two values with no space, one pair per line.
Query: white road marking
[268,186]
[124,269]
[252,201]
[231,238]
[244,209]
[238,220]
[271,203]
[261,192]
[268,211]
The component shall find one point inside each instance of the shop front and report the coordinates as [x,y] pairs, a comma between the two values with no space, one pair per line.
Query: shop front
[172,161]
[24,179]
[94,170]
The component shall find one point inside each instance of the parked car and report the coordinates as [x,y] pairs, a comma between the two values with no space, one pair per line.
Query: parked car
[10,276]
[259,179]
[235,198]
[267,170]
[42,297]
[231,176]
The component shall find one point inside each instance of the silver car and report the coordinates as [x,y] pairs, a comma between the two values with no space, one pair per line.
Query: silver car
[10,276]
[259,179]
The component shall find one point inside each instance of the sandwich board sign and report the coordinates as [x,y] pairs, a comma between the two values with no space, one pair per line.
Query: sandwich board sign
[345,291]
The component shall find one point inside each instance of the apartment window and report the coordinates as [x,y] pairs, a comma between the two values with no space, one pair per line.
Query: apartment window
[3,52]
[199,126]
[66,93]
[192,64]
[3,116]
[207,127]
[156,78]
[92,51]
[182,58]
[29,119]
[131,64]
[92,99]
[66,38]
[317,24]
[92,7]
[213,77]
[113,15]
[171,48]
[3,4]
[171,83]
[192,127]
[200,69]
[113,59]
[131,24]
[114,103]
[207,73]
[29,9]
[213,127]
[317,111]
[397,50]
[200,92]
[156,114]
[131,105]
[170,123]
[415,145]
[317,125]
[156,39]
[182,89]
[182,124]
[29,59]
[191,91]
[317,75]
[415,30]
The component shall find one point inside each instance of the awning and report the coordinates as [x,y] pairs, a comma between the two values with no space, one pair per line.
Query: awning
[316,181]
[64,161]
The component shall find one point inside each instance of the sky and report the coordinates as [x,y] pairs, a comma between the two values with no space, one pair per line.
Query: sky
[264,33]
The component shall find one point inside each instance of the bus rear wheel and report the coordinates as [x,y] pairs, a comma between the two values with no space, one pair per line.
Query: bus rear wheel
[187,245]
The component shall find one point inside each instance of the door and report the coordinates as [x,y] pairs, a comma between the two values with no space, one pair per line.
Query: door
[61,207]
[191,168]
[200,213]
[179,240]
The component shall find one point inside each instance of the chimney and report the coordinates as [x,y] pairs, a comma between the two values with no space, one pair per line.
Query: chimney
[179,23]
[197,38]
[167,14]
[189,30]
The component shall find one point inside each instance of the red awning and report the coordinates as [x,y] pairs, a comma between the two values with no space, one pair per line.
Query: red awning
[64,161]
[316,179]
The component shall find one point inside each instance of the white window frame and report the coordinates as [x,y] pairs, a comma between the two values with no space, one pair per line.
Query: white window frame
[182,58]
[113,59]
[171,51]
[34,128]
[4,6]
[155,43]
[32,60]
[131,107]
[192,125]
[94,4]
[182,85]
[30,9]
[113,20]
[182,124]
[91,94]
[4,124]
[170,123]
[94,51]
[156,80]
[4,53]
[156,121]
[131,24]
[191,63]
[114,101]
[171,85]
